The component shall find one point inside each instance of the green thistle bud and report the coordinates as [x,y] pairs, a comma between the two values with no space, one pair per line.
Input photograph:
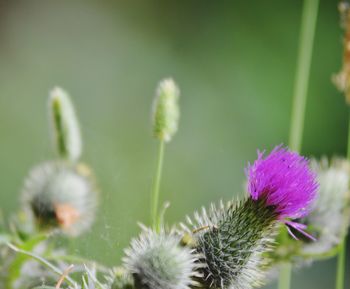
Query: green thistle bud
[166,111]
[60,195]
[232,240]
[64,125]
[159,261]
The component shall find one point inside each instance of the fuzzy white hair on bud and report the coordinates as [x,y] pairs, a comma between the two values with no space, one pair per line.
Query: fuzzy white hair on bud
[330,216]
[61,195]
[64,125]
[157,260]
[166,112]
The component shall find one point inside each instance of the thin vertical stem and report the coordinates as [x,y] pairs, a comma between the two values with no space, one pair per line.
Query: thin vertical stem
[306,40]
[340,282]
[285,276]
[156,186]
[341,266]
[307,32]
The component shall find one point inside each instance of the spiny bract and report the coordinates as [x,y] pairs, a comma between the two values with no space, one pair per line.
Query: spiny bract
[231,240]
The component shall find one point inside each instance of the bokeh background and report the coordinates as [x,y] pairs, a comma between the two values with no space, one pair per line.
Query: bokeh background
[235,64]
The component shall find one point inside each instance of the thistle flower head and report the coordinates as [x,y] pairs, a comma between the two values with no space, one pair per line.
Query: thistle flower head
[157,260]
[166,111]
[61,195]
[65,129]
[285,181]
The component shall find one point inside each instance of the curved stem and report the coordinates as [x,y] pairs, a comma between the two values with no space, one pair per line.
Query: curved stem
[52,267]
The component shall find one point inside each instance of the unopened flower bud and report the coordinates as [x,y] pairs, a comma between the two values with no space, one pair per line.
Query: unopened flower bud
[157,260]
[64,125]
[62,196]
[166,111]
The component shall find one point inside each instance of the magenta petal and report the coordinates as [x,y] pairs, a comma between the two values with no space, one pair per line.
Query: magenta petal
[285,180]
[291,233]
[300,228]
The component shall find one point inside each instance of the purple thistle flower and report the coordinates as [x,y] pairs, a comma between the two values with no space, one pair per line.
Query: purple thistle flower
[285,181]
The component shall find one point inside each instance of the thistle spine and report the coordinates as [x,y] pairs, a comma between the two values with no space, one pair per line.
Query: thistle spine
[232,243]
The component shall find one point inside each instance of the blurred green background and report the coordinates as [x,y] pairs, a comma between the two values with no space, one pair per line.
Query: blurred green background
[234,62]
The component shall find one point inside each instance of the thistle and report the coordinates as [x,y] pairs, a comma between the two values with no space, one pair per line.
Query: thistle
[60,195]
[64,125]
[157,260]
[233,238]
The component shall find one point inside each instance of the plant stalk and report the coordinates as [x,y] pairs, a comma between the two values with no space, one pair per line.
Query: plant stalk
[307,32]
[306,40]
[340,282]
[156,186]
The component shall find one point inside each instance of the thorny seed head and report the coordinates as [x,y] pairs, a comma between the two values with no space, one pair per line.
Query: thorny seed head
[166,112]
[157,260]
[61,195]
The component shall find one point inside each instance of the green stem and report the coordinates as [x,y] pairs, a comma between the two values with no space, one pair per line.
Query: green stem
[156,186]
[307,32]
[285,276]
[52,267]
[59,129]
[341,266]
[340,282]
[306,40]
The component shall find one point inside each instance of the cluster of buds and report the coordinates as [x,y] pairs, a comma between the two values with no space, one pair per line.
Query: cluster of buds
[225,247]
